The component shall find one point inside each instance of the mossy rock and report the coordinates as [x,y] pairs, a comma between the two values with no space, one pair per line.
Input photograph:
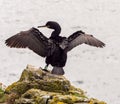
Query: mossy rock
[3,96]
[36,86]
[37,96]
[1,92]
[95,101]
[37,78]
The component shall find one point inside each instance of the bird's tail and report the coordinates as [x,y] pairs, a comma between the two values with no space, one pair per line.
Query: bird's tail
[58,71]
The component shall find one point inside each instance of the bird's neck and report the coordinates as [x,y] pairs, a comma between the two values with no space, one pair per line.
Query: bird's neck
[55,33]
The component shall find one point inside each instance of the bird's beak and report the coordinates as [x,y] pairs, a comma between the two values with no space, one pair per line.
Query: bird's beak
[42,26]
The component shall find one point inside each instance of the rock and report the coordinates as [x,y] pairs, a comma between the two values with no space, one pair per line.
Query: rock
[2,94]
[39,87]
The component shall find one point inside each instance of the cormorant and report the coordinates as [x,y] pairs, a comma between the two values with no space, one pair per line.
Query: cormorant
[54,48]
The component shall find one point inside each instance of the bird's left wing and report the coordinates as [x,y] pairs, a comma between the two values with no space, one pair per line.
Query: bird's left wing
[80,37]
[32,39]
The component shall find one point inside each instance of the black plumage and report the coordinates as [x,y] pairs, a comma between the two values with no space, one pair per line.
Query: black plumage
[54,48]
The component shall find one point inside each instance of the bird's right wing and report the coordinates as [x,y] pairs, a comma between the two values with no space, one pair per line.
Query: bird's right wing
[32,39]
[80,37]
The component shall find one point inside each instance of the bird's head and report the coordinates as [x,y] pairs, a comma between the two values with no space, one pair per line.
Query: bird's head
[51,25]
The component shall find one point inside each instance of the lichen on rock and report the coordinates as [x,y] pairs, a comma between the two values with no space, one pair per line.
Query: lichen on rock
[2,93]
[44,97]
[36,86]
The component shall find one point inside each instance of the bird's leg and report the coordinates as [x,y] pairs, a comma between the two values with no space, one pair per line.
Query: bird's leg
[45,68]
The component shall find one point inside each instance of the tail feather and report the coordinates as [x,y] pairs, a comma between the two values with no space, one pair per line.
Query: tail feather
[58,71]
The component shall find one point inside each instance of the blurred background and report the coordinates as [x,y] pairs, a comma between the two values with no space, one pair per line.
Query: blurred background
[95,70]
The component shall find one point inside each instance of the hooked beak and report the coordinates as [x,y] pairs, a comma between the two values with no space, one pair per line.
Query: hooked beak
[42,26]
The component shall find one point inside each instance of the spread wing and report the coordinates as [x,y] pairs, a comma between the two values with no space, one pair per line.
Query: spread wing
[32,39]
[80,37]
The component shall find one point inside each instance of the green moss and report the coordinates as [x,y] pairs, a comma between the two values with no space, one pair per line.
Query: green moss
[1,92]
[95,101]
[3,96]
[61,103]
[68,99]
[40,97]
[18,87]
[54,85]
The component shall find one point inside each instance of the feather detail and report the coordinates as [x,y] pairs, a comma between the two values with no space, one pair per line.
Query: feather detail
[80,37]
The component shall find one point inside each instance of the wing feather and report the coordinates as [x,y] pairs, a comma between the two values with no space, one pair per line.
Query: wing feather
[32,39]
[80,37]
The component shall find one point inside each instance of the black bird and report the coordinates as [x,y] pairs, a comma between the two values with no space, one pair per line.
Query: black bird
[55,47]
